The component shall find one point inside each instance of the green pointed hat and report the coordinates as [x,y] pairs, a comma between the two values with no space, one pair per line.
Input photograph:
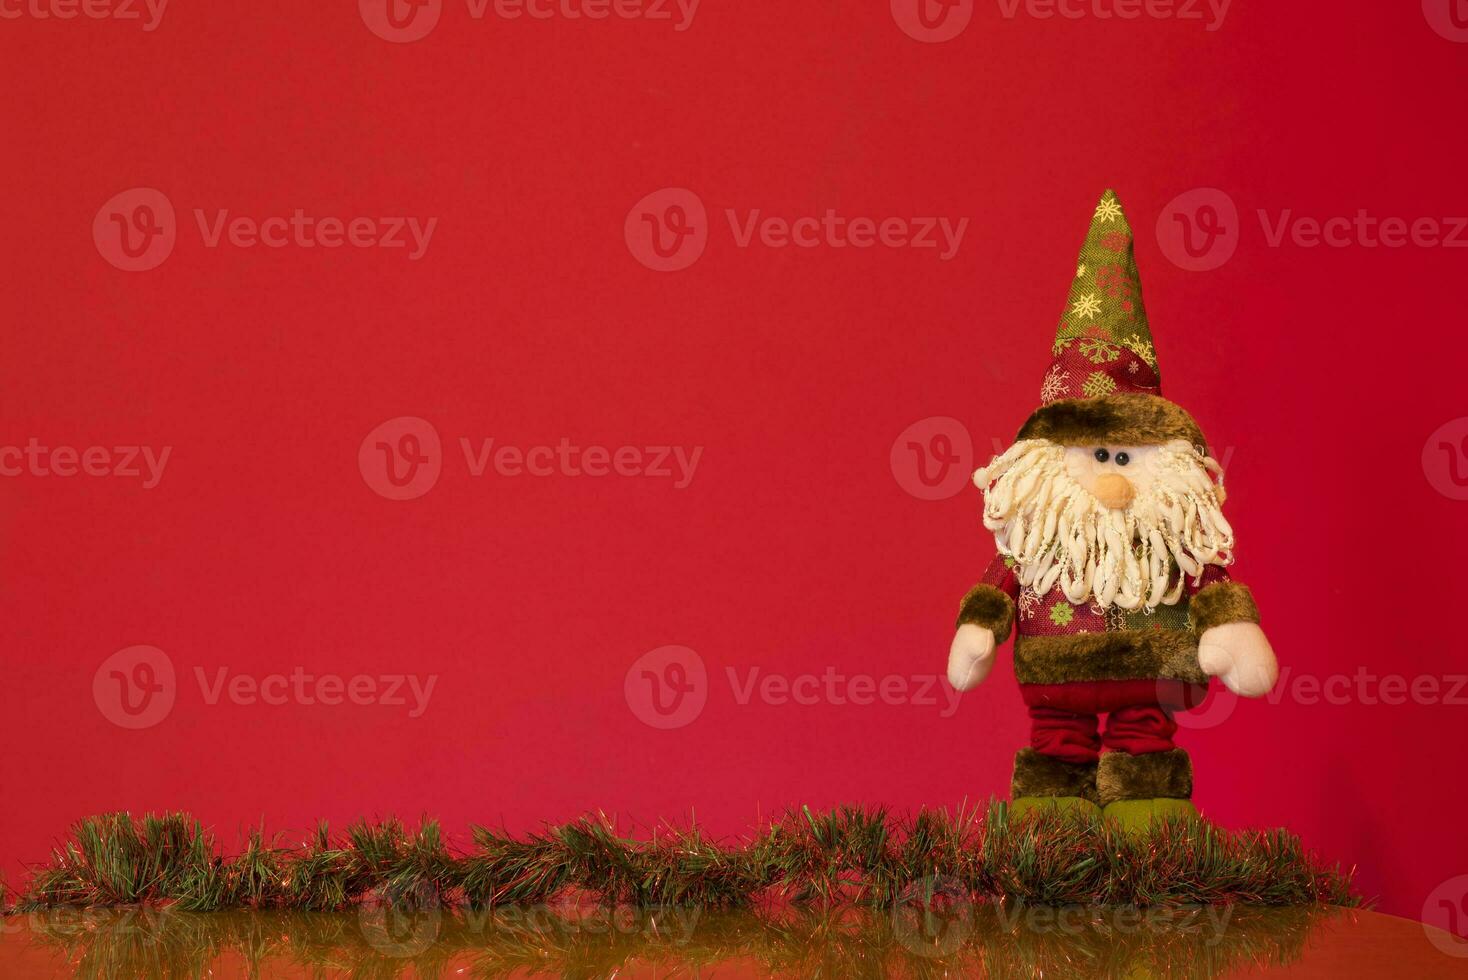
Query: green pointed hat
[1103,384]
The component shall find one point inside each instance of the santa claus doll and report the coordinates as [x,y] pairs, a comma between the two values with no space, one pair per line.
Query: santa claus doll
[1112,563]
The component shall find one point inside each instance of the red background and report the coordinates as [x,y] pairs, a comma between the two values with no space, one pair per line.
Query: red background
[795,548]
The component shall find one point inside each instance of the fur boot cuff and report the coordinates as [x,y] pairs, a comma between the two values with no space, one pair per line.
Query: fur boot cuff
[1151,776]
[1043,775]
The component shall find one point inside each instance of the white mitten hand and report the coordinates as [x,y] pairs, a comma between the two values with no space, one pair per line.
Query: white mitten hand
[1239,654]
[971,657]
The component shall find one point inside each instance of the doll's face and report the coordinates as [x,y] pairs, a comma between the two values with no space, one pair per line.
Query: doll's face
[1124,516]
[1113,474]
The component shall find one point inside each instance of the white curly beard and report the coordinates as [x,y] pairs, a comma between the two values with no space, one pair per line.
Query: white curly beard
[1057,531]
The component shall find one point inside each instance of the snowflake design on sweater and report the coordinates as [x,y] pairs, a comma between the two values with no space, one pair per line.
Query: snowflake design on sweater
[1053,387]
[1029,602]
[1098,384]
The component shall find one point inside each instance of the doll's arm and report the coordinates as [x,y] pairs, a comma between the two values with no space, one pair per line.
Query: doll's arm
[1231,646]
[984,621]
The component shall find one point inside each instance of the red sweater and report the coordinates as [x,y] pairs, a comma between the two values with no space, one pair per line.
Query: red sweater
[1058,641]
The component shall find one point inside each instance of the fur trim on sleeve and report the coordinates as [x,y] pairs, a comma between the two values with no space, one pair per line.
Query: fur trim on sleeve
[1222,602]
[989,607]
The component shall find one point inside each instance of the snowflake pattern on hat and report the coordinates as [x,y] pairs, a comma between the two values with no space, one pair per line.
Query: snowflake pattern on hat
[1103,344]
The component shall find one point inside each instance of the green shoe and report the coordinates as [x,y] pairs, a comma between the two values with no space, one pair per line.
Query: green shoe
[1068,805]
[1134,816]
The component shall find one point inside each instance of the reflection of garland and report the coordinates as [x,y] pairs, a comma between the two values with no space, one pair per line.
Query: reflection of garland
[982,941]
[848,856]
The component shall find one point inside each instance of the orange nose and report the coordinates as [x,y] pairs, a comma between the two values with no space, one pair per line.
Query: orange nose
[1114,491]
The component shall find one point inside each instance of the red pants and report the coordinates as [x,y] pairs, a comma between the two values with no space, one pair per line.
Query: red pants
[1064,722]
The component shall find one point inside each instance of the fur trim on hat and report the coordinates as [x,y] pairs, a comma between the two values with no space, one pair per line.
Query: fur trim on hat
[1126,420]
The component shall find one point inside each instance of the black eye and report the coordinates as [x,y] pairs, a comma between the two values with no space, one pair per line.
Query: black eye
[1102,455]
[1122,459]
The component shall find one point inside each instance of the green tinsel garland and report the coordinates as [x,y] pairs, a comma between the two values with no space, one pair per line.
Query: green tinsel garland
[846,856]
